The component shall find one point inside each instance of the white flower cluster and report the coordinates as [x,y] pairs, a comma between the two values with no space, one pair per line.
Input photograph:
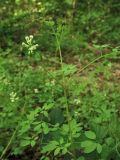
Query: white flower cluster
[13,97]
[36,90]
[29,44]
[77,101]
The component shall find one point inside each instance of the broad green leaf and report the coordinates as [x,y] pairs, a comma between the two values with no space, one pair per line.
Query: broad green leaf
[45,113]
[61,140]
[81,158]
[90,135]
[45,128]
[64,151]
[38,128]
[56,116]
[65,129]
[24,128]
[99,148]
[33,143]
[109,141]
[25,143]
[48,106]
[50,147]
[89,146]
[67,145]
[57,151]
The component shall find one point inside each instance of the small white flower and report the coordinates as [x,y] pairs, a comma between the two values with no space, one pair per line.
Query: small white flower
[76,113]
[29,44]
[24,44]
[13,97]
[6,81]
[31,36]
[39,3]
[77,101]
[36,90]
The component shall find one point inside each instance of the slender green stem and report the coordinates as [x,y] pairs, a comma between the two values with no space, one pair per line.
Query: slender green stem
[9,143]
[90,63]
[13,136]
[96,59]
[63,78]
[65,91]
[61,62]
